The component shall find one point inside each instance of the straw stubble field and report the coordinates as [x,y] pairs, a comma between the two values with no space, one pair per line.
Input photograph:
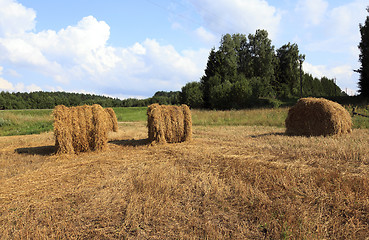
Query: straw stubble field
[229,182]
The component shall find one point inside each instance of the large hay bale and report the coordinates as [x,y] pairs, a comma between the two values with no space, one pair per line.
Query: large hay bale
[83,128]
[169,124]
[317,116]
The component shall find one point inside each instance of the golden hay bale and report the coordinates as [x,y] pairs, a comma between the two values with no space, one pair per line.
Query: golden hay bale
[169,124]
[113,121]
[317,116]
[62,129]
[81,129]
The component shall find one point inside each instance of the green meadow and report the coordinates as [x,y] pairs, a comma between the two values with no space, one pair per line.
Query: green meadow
[24,122]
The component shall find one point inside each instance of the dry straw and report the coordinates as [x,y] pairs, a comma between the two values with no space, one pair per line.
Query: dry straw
[317,116]
[113,123]
[169,124]
[83,128]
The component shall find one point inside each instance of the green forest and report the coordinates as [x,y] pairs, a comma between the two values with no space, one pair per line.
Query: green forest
[247,71]
[48,100]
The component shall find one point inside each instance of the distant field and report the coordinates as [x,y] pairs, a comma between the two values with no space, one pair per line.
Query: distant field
[22,122]
[254,117]
[131,114]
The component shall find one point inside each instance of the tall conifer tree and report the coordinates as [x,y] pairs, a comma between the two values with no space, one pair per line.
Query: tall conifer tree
[364,58]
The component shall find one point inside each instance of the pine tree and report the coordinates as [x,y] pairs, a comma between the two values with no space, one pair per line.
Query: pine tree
[263,60]
[364,58]
[287,75]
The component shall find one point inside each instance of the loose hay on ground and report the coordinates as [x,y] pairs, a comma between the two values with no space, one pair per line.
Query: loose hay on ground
[169,124]
[317,116]
[82,128]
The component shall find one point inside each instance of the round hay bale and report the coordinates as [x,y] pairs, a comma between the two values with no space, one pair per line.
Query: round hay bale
[169,124]
[82,128]
[62,129]
[100,121]
[316,117]
[113,121]
[187,123]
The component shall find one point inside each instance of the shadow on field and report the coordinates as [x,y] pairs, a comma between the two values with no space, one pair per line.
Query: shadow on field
[132,142]
[269,134]
[43,151]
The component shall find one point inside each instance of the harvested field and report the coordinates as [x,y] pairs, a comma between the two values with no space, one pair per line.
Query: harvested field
[234,182]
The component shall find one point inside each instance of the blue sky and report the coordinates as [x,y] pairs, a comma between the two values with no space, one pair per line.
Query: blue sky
[135,48]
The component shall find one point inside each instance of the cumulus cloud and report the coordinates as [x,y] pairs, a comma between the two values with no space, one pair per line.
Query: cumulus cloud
[312,10]
[344,71]
[149,65]
[5,85]
[344,74]
[15,18]
[79,57]
[206,36]
[344,20]
[245,16]
[330,35]
[339,26]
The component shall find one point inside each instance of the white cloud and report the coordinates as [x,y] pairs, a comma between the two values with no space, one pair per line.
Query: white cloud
[331,36]
[15,18]
[344,74]
[138,49]
[82,47]
[13,73]
[233,16]
[31,88]
[168,60]
[344,71]
[5,85]
[151,66]
[19,87]
[206,36]
[79,57]
[18,50]
[312,10]
[67,54]
[339,31]
[344,20]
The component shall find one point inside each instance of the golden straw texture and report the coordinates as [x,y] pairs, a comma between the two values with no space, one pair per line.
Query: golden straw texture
[169,124]
[317,116]
[82,128]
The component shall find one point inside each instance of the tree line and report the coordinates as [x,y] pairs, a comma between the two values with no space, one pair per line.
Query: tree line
[48,100]
[247,70]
